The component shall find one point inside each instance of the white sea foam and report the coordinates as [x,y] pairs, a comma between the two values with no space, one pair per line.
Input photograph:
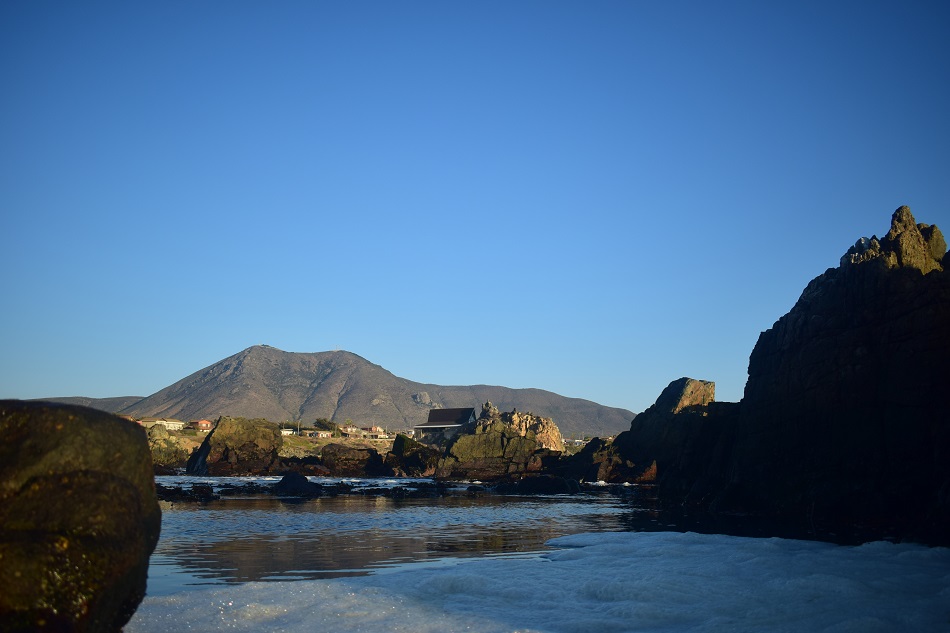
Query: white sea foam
[605,582]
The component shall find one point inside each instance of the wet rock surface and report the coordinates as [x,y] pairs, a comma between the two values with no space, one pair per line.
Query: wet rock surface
[78,518]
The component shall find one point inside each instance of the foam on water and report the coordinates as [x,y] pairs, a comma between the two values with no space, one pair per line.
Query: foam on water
[628,581]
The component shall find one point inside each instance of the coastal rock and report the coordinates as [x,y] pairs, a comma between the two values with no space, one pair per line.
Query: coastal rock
[544,430]
[409,458]
[168,453]
[297,485]
[347,461]
[237,446]
[666,437]
[499,445]
[841,427]
[839,416]
[309,465]
[78,518]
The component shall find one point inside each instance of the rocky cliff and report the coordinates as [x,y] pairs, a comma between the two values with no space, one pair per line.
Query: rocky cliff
[843,417]
[843,423]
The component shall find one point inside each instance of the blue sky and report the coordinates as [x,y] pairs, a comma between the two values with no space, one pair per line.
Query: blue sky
[589,198]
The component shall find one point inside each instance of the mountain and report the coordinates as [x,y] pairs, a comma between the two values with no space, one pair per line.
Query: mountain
[112,405]
[266,382]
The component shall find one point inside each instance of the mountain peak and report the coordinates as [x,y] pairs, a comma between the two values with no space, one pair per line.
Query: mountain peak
[262,381]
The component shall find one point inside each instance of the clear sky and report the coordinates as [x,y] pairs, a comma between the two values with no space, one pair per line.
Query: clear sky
[593,198]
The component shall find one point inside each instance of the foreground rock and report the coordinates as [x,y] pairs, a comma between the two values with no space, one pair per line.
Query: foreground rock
[237,446]
[842,418]
[78,518]
[843,425]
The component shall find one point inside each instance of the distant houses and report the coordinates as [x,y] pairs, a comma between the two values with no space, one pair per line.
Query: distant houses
[170,424]
[364,433]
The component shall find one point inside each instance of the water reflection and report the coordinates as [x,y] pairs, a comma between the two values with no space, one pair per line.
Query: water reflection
[236,540]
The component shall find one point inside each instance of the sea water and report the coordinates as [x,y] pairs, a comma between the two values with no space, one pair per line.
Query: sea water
[240,539]
[492,564]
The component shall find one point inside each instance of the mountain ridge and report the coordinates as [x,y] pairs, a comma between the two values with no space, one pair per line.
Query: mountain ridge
[263,381]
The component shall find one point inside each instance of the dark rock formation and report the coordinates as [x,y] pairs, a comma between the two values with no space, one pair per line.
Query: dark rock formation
[297,485]
[78,518]
[307,466]
[539,485]
[409,458]
[843,425]
[669,432]
[346,461]
[499,446]
[842,418]
[237,446]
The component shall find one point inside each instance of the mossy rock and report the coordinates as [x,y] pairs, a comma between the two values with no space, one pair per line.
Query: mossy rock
[78,518]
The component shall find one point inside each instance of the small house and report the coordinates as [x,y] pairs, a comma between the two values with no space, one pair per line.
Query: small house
[443,424]
[204,425]
[375,432]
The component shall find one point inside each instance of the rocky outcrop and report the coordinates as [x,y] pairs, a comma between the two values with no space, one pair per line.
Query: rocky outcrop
[906,245]
[168,452]
[670,432]
[841,417]
[842,426]
[347,461]
[78,518]
[237,446]
[409,458]
[297,485]
[500,445]
[544,430]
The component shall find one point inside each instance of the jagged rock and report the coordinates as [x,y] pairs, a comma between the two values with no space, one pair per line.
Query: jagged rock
[544,430]
[78,518]
[665,434]
[495,447]
[684,394]
[346,461]
[906,245]
[409,458]
[841,426]
[237,446]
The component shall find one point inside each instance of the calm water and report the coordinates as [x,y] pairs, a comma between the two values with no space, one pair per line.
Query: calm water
[239,539]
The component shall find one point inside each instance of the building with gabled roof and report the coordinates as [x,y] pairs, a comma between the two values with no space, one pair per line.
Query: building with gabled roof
[443,424]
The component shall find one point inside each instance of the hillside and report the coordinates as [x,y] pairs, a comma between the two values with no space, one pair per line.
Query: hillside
[266,382]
